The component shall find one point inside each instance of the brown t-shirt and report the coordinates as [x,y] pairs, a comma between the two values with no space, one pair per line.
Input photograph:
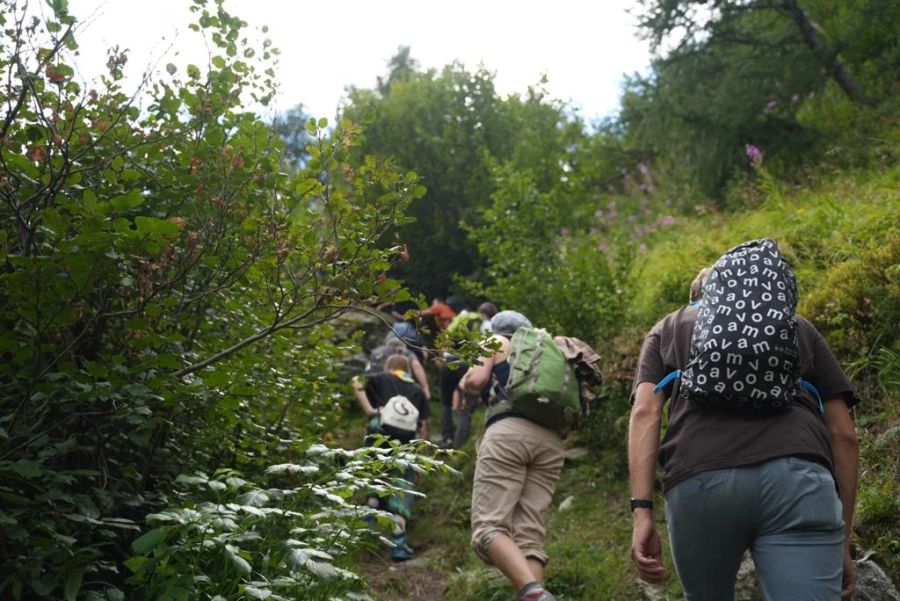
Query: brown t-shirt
[699,439]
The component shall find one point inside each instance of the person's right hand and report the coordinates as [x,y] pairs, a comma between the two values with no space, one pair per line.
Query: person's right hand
[848,586]
[646,549]
[459,399]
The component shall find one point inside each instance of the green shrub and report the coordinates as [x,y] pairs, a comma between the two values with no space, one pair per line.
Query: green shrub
[296,535]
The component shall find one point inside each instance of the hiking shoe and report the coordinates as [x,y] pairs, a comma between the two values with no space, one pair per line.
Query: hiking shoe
[535,593]
[402,551]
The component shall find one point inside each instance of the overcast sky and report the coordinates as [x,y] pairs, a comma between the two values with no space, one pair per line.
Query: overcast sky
[585,47]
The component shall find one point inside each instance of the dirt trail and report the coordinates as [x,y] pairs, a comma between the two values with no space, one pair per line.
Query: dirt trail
[413,580]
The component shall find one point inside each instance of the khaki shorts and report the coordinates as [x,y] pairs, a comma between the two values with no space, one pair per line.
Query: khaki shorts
[518,466]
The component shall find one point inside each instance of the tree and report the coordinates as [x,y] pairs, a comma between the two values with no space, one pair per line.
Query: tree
[700,108]
[739,74]
[144,247]
[446,125]
[695,22]
[401,67]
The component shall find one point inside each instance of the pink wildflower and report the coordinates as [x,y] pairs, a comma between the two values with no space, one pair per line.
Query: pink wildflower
[754,154]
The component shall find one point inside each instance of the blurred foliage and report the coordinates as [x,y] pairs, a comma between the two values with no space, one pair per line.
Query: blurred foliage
[529,247]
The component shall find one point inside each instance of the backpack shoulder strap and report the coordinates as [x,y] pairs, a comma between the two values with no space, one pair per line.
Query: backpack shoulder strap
[673,375]
[815,391]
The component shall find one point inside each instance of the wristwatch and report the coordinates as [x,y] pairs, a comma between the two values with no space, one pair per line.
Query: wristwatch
[643,503]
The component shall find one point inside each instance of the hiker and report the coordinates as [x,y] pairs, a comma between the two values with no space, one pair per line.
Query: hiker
[404,328]
[464,403]
[456,303]
[394,345]
[487,310]
[396,407]
[518,465]
[448,373]
[406,331]
[760,452]
[456,404]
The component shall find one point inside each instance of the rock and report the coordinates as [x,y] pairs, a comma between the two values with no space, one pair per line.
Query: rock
[747,588]
[575,453]
[567,503]
[872,584]
[374,329]
[653,592]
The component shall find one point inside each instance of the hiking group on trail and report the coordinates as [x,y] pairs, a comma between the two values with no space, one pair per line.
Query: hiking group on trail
[759,452]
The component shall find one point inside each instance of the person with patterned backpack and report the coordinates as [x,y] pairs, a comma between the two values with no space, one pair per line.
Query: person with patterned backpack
[760,452]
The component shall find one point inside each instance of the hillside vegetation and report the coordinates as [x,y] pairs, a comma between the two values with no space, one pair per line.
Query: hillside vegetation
[177,274]
[842,237]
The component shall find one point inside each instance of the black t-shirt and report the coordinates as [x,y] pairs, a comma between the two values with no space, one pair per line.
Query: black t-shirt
[383,386]
[699,440]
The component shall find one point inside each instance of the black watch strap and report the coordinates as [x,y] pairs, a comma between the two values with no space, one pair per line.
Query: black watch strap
[644,503]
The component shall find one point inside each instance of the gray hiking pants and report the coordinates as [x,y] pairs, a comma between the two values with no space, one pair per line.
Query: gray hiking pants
[786,511]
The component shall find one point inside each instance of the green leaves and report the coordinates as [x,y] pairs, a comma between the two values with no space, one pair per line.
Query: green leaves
[26,468]
[73,584]
[147,226]
[290,534]
[149,541]
[239,563]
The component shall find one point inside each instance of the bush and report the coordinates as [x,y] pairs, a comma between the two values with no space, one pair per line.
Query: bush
[143,248]
[295,536]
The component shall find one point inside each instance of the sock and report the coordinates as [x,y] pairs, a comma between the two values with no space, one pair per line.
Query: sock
[531,586]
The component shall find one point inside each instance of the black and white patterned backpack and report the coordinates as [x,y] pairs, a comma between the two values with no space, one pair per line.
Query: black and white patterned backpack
[744,346]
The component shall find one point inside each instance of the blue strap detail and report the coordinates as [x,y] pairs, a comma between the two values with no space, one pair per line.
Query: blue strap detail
[812,389]
[694,304]
[665,381]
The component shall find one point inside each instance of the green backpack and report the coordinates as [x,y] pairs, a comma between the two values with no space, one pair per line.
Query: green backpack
[542,385]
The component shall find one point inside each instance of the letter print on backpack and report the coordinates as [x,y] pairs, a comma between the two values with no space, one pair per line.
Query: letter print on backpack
[744,346]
